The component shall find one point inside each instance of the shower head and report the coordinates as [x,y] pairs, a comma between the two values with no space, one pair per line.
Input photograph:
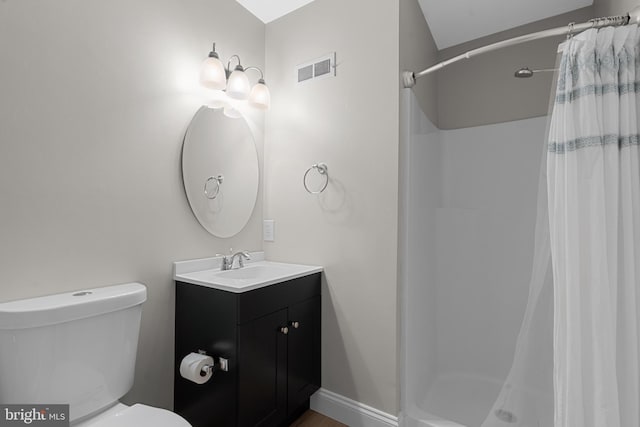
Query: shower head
[526,72]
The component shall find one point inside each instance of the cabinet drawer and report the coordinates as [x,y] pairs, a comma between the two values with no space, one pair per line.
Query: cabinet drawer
[259,302]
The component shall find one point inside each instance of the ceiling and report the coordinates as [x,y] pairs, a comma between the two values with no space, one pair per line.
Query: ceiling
[269,10]
[451,22]
[455,22]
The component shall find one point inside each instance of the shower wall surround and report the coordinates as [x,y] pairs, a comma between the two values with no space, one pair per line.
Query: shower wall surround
[470,214]
[96,98]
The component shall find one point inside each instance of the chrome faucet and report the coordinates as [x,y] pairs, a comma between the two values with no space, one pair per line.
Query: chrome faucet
[227,260]
[241,255]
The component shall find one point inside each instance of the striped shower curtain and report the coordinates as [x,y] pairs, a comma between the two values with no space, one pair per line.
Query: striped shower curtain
[593,178]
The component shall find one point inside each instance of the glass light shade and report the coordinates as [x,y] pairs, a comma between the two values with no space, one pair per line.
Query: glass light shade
[212,74]
[260,97]
[238,85]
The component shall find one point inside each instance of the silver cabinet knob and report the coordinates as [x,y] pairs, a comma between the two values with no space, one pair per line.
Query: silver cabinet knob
[295,325]
[284,330]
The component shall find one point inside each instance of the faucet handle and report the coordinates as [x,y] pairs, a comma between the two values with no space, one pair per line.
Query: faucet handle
[245,255]
[242,255]
[226,261]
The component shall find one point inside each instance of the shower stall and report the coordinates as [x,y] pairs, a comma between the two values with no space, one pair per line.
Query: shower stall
[492,335]
[470,198]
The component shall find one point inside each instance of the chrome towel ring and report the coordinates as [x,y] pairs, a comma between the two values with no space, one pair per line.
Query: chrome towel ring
[322,170]
[212,186]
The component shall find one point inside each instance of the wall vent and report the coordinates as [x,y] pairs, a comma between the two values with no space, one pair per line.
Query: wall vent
[305,73]
[319,68]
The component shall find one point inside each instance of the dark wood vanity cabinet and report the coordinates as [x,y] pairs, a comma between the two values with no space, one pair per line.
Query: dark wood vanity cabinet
[271,338]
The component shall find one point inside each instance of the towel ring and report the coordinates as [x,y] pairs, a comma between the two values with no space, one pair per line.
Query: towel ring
[211,191]
[322,170]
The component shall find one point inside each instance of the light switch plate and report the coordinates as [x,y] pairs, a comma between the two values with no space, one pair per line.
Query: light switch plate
[268,230]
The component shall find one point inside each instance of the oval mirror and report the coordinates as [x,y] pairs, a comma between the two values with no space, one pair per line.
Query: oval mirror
[220,171]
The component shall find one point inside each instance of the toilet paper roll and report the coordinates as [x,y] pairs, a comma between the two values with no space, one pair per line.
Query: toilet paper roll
[192,367]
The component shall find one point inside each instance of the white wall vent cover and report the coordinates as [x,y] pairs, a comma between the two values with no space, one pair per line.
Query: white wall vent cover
[319,68]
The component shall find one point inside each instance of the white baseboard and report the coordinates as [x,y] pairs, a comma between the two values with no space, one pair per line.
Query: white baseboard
[350,412]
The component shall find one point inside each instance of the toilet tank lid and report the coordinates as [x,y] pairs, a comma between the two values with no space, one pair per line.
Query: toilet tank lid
[68,306]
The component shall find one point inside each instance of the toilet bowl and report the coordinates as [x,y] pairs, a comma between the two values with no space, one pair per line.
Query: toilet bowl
[77,348]
[137,415]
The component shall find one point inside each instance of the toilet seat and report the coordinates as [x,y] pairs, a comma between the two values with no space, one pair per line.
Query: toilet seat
[137,415]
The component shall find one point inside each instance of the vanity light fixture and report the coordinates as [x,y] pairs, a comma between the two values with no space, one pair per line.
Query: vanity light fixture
[259,97]
[238,85]
[234,84]
[212,73]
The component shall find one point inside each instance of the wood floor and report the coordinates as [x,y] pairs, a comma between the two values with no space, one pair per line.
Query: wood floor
[314,419]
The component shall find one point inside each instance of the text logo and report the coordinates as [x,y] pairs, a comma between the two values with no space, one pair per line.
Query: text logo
[34,415]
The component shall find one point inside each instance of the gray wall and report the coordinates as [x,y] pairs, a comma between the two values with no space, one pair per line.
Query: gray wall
[95,98]
[350,122]
[613,7]
[482,90]
[418,51]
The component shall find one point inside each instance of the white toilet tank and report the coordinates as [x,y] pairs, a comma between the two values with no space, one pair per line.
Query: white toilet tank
[77,348]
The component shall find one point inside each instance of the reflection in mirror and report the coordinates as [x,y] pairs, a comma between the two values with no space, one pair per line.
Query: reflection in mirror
[220,171]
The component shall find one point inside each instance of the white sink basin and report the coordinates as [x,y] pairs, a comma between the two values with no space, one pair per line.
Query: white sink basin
[253,272]
[256,273]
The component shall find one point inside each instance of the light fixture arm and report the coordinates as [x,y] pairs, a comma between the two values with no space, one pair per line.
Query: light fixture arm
[258,70]
[239,66]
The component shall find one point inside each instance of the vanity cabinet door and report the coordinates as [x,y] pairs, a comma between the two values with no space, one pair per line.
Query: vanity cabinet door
[262,371]
[303,353]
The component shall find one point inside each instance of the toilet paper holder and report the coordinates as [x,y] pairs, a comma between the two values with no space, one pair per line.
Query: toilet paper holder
[222,365]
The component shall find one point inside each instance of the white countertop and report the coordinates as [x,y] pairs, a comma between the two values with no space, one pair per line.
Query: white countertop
[256,273]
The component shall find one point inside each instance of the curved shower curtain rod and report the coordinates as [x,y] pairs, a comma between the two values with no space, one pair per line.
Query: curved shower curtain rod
[633,17]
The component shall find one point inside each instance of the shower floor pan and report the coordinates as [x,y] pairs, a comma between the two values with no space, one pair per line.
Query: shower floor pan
[456,400]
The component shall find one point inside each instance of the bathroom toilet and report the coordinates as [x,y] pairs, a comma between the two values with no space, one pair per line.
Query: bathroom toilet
[77,348]
[121,415]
